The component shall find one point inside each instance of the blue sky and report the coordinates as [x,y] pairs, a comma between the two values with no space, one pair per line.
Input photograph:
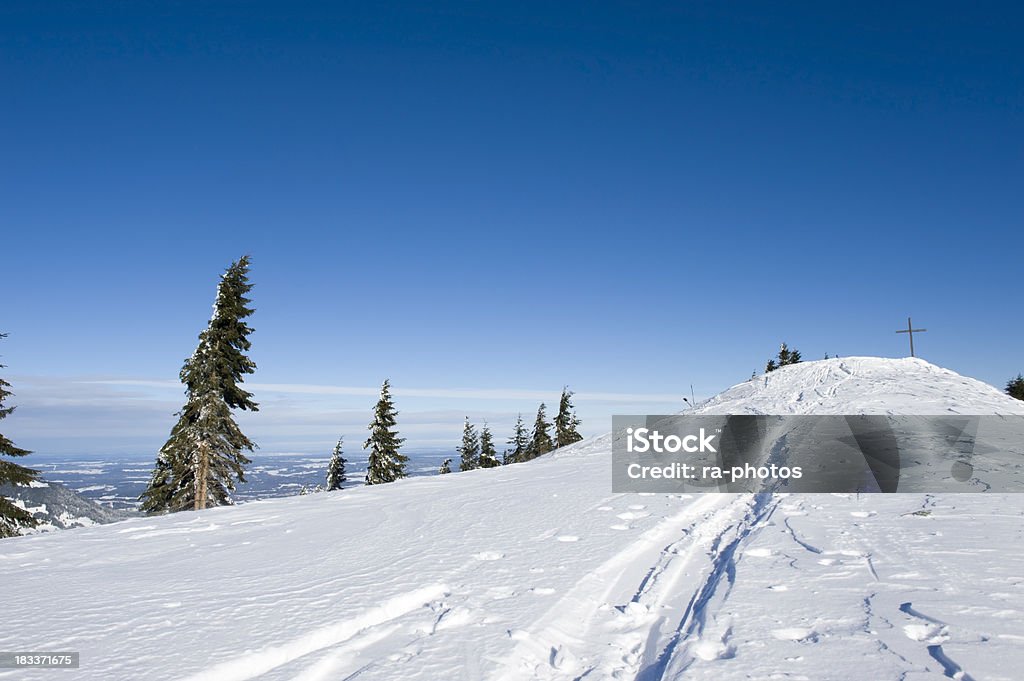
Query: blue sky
[496,200]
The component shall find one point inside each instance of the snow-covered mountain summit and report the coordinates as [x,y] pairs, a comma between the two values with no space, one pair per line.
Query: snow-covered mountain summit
[539,571]
[862,385]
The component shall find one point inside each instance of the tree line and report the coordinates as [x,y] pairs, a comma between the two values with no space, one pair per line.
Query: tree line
[205,454]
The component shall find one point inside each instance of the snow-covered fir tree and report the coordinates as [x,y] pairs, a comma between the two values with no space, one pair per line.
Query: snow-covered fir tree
[566,423]
[385,462]
[446,467]
[488,454]
[520,443]
[1015,387]
[203,457]
[784,358]
[12,518]
[336,468]
[540,441]
[469,450]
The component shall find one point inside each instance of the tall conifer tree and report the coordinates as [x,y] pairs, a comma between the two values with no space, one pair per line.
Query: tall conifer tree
[488,454]
[336,468]
[520,442]
[469,450]
[540,441]
[203,457]
[385,462]
[566,423]
[12,518]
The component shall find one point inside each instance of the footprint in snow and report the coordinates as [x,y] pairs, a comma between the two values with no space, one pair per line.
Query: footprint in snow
[620,526]
[798,634]
[862,514]
[543,590]
[488,555]
[568,538]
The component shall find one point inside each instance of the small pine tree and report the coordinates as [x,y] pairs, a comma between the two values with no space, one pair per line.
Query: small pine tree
[488,454]
[1015,387]
[469,450]
[336,468]
[12,518]
[785,358]
[446,467]
[540,441]
[201,460]
[520,442]
[385,463]
[566,423]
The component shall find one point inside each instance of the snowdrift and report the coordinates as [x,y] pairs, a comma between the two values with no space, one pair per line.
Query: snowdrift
[538,571]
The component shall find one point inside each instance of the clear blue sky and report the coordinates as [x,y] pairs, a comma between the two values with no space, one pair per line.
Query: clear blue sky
[625,198]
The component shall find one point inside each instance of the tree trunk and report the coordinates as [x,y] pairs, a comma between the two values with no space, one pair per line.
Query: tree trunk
[202,471]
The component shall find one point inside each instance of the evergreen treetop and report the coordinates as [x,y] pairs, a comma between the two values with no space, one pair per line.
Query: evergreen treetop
[12,518]
[225,341]
[488,454]
[446,467]
[336,468]
[385,462]
[540,441]
[469,449]
[566,423]
[784,358]
[1015,387]
[520,442]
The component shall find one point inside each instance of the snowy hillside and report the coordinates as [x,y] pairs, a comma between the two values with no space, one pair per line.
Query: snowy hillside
[863,385]
[55,507]
[538,571]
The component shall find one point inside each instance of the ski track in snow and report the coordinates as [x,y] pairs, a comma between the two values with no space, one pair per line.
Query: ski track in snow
[636,608]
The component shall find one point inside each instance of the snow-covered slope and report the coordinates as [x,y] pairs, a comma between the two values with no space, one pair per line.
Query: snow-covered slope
[538,571]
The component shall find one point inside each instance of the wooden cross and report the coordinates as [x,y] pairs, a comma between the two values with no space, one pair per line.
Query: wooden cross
[911,330]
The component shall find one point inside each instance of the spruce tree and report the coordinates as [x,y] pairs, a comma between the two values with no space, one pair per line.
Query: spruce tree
[203,456]
[784,358]
[336,468]
[566,423]
[469,450]
[446,467]
[520,442]
[385,463]
[12,518]
[540,441]
[1015,387]
[488,454]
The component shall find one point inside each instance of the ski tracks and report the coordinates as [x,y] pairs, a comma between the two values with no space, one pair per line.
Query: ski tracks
[643,614]
[344,638]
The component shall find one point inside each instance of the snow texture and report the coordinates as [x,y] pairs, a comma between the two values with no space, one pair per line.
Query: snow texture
[538,571]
